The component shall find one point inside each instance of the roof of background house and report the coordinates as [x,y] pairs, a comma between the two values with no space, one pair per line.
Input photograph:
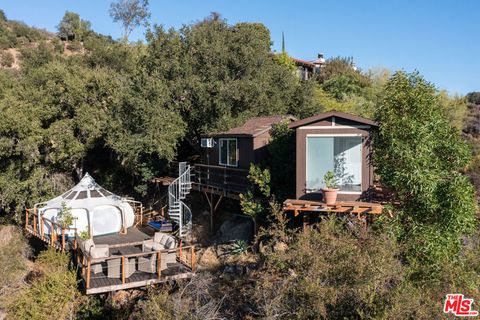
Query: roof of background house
[329,114]
[304,63]
[255,126]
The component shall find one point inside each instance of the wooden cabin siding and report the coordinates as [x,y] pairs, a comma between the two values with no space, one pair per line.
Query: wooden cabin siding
[301,157]
[260,147]
[245,152]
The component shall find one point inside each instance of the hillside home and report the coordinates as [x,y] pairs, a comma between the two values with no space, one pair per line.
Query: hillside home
[227,155]
[338,142]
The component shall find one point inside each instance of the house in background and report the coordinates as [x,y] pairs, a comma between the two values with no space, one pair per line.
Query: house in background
[306,69]
[338,142]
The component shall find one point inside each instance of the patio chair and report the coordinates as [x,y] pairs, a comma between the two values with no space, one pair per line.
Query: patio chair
[114,267]
[96,251]
[160,241]
[149,263]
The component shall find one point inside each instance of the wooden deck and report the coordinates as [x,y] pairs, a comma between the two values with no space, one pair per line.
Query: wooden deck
[100,283]
[123,247]
[219,180]
[355,207]
[364,211]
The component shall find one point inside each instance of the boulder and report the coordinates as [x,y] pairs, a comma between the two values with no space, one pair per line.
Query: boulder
[237,227]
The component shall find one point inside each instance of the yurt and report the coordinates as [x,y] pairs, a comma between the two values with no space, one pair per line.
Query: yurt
[94,209]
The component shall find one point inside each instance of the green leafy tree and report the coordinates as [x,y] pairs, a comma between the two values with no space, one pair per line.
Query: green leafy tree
[131,13]
[420,156]
[282,161]
[220,74]
[72,25]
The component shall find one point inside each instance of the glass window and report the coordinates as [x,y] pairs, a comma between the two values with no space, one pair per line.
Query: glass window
[228,152]
[71,195]
[95,194]
[342,155]
[82,195]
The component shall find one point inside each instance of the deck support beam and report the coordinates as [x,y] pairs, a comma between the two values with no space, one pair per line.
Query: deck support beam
[213,205]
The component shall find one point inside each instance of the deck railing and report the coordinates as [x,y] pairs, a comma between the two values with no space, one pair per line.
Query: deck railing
[34,221]
[185,255]
[225,178]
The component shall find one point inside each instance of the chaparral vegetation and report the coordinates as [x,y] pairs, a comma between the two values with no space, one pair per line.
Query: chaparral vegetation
[80,101]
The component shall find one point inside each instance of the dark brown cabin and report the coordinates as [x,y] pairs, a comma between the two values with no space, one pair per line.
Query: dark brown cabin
[227,156]
[338,142]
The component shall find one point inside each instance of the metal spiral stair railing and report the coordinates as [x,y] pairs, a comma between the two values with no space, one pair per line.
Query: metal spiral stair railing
[177,191]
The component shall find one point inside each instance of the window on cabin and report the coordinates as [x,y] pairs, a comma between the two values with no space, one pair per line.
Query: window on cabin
[340,154]
[228,152]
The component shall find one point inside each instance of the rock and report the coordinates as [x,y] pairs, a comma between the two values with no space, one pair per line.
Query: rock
[236,228]
[280,247]
[209,259]
[125,298]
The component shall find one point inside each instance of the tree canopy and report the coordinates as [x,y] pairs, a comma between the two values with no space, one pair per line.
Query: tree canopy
[131,13]
[420,156]
[72,25]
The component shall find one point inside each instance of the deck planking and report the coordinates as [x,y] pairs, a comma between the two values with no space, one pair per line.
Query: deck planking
[101,283]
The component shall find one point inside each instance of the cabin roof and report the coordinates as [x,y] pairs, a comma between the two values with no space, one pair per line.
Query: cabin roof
[255,126]
[333,113]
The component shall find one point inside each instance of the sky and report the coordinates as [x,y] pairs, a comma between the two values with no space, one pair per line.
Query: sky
[439,38]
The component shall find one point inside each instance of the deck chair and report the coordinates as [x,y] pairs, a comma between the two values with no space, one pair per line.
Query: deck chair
[149,263]
[160,241]
[96,251]
[114,267]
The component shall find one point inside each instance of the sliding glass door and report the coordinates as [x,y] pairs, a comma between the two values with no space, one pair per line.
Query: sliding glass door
[340,154]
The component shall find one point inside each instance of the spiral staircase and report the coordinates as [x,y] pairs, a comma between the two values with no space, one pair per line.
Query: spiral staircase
[177,192]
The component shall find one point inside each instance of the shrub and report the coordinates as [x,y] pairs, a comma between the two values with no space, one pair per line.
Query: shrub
[74,46]
[52,295]
[13,252]
[157,306]
[6,59]
[332,273]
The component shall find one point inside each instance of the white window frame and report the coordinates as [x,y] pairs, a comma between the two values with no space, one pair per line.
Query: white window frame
[228,151]
[335,135]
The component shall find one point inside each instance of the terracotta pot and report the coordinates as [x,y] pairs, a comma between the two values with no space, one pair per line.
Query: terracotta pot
[330,195]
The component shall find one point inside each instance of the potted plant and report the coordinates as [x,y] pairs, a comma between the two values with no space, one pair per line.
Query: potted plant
[331,189]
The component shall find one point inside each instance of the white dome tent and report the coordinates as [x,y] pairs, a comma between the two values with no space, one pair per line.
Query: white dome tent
[94,209]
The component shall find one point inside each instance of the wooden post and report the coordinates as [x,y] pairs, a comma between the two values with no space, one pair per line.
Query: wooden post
[63,240]
[52,234]
[180,252]
[305,222]
[192,258]
[88,273]
[83,264]
[123,270]
[159,264]
[35,220]
[41,228]
[26,218]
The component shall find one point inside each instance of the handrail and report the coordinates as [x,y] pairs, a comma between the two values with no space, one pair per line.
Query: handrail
[86,265]
[176,193]
[219,167]
[136,255]
[54,225]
